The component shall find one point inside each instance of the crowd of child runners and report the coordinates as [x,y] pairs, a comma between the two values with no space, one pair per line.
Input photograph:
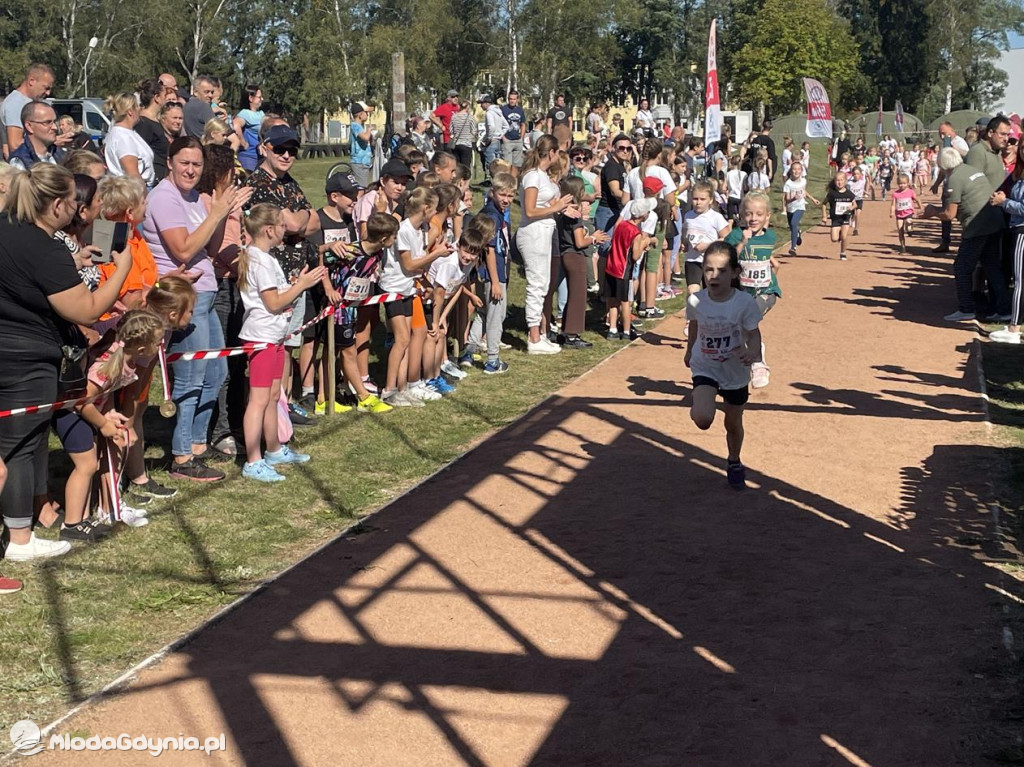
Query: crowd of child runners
[224,249]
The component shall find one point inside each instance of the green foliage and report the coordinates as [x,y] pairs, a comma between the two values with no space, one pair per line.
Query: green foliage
[789,40]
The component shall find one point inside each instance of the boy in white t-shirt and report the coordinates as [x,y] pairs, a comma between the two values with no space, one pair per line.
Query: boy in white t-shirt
[701,227]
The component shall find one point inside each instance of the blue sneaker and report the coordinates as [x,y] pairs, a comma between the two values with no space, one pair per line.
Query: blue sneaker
[285,455]
[466,360]
[262,472]
[495,367]
[440,385]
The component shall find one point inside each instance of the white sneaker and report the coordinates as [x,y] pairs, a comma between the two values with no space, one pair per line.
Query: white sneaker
[450,368]
[543,346]
[959,316]
[133,517]
[760,375]
[421,391]
[1004,336]
[36,548]
[397,398]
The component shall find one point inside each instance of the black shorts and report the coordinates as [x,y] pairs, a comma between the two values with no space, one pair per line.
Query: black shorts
[344,335]
[73,431]
[315,301]
[428,315]
[671,232]
[616,288]
[399,308]
[694,273]
[860,204]
[841,221]
[730,396]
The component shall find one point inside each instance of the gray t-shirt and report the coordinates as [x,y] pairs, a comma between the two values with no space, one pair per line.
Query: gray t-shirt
[970,189]
[13,104]
[197,114]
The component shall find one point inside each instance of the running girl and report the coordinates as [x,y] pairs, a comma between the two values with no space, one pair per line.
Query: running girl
[840,203]
[858,184]
[755,243]
[904,202]
[795,195]
[267,298]
[701,227]
[723,325]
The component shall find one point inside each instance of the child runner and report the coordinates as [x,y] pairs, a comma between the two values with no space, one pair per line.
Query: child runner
[723,324]
[268,300]
[735,181]
[885,171]
[904,202]
[350,278]
[840,203]
[858,184]
[755,243]
[794,193]
[701,226]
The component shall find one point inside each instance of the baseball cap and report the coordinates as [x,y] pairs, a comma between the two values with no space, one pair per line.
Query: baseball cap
[358,106]
[653,185]
[1014,132]
[452,92]
[982,122]
[485,99]
[643,208]
[279,135]
[345,183]
[395,169]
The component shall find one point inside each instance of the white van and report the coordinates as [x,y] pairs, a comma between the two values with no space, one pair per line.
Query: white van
[86,112]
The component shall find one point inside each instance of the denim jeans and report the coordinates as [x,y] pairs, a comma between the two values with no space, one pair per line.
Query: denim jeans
[604,220]
[794,227]
[197,383]
[491,152]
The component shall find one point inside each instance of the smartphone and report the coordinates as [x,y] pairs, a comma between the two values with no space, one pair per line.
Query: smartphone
[110,237]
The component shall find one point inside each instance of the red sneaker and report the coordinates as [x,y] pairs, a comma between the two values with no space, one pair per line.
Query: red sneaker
[9,585]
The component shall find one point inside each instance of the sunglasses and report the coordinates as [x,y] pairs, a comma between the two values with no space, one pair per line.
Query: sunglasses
[281,151]
[623,147]
[579,158]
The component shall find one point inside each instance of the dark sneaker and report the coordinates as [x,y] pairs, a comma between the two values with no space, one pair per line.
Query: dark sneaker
[298,415]
[736,473]
[613,335]
[196,470]
[574,342]
[152,489]
[941,249]
[308,402]
[134,499]
[495,368]
[632,335]
[84,532]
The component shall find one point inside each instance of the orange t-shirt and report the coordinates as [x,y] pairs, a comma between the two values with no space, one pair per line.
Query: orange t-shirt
[143,272]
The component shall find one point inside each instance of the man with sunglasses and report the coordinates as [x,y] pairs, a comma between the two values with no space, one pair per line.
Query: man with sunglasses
[613,186]
[271,182]
[40,126]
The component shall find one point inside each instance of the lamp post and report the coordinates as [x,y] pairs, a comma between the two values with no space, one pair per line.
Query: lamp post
[93,42]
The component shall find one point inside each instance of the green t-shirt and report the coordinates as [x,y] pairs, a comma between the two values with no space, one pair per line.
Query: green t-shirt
[755,258]
[971,189]
[990,163]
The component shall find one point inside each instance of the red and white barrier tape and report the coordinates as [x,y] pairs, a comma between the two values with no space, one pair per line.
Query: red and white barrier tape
[203,354]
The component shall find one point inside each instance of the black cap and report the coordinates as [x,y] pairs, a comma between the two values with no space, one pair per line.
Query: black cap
[279,135]
[485,99]
[345,183]
[395,169]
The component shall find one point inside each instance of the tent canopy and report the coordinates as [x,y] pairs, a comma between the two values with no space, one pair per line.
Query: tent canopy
[962,119]
[794,126]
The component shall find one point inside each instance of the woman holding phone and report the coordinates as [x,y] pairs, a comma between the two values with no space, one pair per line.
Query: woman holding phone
[178,228]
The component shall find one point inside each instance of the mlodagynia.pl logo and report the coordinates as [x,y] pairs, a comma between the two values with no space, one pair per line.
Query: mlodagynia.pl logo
[28,740]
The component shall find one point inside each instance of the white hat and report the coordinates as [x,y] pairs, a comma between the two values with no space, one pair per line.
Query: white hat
[643,208]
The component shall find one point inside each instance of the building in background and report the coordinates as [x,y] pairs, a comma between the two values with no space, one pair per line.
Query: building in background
[1012,62]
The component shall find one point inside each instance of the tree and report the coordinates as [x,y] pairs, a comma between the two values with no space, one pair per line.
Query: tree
[793,39]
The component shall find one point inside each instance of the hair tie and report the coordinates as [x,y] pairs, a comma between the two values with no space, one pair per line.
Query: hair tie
[116,345]
[156,284]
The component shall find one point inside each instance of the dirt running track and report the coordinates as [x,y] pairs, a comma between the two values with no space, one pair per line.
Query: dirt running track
[584,589]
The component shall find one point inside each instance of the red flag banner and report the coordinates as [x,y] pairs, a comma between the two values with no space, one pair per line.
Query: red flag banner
[712,98]
[819,110]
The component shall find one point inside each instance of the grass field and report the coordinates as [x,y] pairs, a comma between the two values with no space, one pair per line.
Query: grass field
[85,618]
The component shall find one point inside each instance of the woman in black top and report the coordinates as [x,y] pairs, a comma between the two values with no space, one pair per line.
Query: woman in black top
[40,293]
[152,97]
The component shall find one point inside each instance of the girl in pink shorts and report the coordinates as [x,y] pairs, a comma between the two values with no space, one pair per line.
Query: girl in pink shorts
[904,202]
[268,299]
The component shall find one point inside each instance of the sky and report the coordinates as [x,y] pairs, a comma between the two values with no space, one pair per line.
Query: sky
[1016,41]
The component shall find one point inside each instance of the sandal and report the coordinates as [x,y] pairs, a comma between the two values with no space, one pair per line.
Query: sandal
[58,517]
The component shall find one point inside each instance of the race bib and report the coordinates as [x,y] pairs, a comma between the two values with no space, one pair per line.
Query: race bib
[718,342]
[334,235]
[696,238]
[843,207]
[903,204]
[358,289]
[756,274]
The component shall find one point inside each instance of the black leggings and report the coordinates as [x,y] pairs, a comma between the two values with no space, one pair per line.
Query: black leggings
[464,155]
[1016,309]
[21,437]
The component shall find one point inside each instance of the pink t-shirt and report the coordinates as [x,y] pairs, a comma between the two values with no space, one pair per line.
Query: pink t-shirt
[225,262]
[168,208]
[108,385]
[904,202]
